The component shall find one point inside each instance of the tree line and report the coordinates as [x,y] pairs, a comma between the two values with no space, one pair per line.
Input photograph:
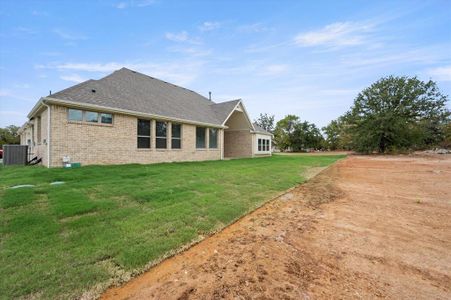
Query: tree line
[9,135]
[393,114]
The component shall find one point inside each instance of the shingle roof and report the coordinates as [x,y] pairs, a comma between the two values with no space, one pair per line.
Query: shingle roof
[260,129]
[223,109]
[133,91]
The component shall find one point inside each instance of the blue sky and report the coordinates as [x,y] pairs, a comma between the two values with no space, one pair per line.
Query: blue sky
[308,58]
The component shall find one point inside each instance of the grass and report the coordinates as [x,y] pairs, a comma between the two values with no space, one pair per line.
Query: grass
[107,222]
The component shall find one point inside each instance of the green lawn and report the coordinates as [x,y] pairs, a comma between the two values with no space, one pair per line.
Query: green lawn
[107,222]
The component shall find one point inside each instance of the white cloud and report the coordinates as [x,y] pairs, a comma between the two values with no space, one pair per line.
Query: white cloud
[276,69]
[133,3]
[181,37]
[5,93]
[22,86]
[253,28]
[209,26]
[121,5]
[144,3]
[180,72]
[87,67]
[73,78]
[25,30]
[9,113]
[192,51]
[440,73]
[68,35]
[335,35]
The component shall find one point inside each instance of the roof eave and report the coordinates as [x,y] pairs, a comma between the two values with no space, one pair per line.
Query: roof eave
[261,132]
[35,108]
[51,100]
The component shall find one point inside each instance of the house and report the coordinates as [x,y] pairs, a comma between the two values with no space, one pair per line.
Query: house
[129,117]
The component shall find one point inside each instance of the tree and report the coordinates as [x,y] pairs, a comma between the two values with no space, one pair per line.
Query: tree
[266,122]
[337,134]
[282,132]
[397,113]
[292,134]
[306,136]
[9,135]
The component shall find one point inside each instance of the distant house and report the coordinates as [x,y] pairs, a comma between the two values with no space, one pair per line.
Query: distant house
[129,117]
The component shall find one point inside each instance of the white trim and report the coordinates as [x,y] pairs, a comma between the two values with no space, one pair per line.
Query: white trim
[231,112]
[240,101]
[48,133]
[247,115]
[263,133]
[117,110]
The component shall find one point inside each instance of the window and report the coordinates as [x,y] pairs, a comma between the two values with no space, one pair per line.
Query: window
[75,115]
[176,142]
[259,144]
[161,132]
[200,137]
[38,129]
[268,145]
[106,118]
[91,116]
[213,138]
[143,133]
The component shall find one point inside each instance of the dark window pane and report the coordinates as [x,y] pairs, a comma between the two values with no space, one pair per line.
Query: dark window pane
[106,118]
[259,144]
[161,128]
[143,142]
[143,127]
[176,144]
[161,143]
[75,115]
[213,138]
[176,130]
[200,137]
[91,116]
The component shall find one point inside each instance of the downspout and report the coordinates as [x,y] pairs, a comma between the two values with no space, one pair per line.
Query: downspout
[222,144]
[48,132]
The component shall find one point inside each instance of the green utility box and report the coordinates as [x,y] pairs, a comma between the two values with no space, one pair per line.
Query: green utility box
[72,165]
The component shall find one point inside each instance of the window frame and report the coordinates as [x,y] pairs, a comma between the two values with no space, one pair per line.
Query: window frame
[100,116]
[165,137]
[179,138]
[209,138]
[74,109]
[86,112]
[138,136]
[101,120]
[38,130]
[204,139]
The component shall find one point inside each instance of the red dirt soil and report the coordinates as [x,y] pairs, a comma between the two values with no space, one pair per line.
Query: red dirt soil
[367,227]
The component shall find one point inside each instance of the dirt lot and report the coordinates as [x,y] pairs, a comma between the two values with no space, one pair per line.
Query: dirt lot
[367,227]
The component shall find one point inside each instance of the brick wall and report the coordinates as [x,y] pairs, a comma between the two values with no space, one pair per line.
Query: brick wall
[237,143]
[117,143]
[39,146]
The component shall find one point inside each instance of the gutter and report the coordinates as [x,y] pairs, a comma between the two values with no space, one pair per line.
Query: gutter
[51,100]
[263,133]
[48,130]
[35,108]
